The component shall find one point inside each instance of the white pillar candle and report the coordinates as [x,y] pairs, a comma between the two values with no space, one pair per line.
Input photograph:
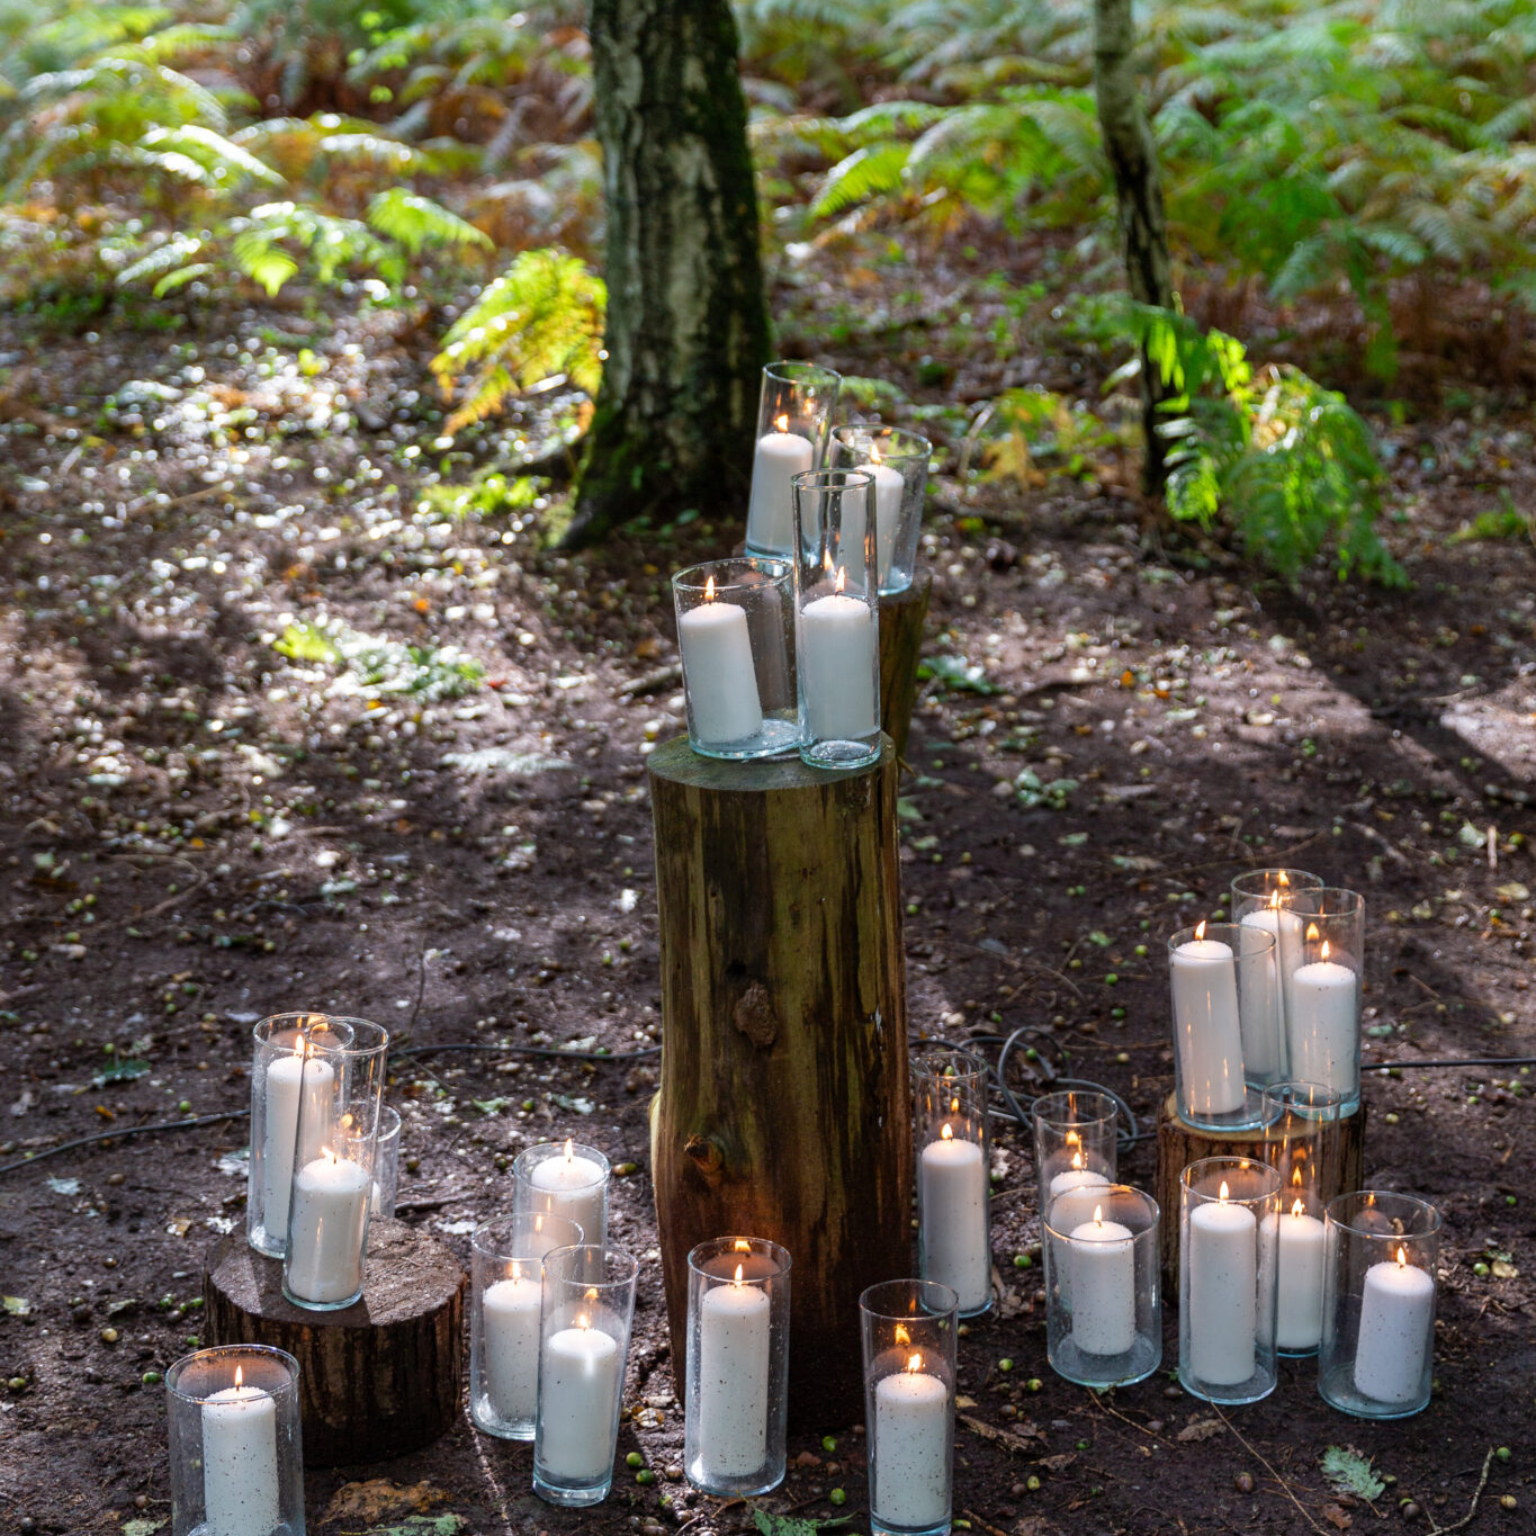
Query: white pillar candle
[1223,1293]
[889,485]
[578,1398]
[780,456]
[240,1491]
[576,1187]
[838,636]
[1286,927]
[1299,1305]
[733,1379]
[330,1222]
[1397,1329]
[1206,1027]
[1324,1024]
[509,1322]
[957,1248]
[910,1486]
[1102,1259]
[288,1079]
[1261,1011]
[719,672]
[1072,1196]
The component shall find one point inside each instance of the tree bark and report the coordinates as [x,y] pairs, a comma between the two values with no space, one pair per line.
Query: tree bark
[687,327]
[902,616]
[1139,198]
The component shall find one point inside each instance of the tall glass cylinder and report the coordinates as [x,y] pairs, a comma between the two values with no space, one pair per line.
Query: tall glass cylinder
[898,461]
[1381,1259]
[793,414]
[736,1397]
[506,1296]
[564,1178]
[1104,1316]
[237,1461]
[954,1159]
[1226,1002]
[838,619]
[1325,957]
[909,1329]
[386,1165]
[1261,899]
[736,635]
[588,1309]
[1227,1212]
[1076,1151]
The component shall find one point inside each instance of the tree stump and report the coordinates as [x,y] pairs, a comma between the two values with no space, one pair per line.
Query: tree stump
[376,1379]
[902,616]
[783,1110]
[1180,1144]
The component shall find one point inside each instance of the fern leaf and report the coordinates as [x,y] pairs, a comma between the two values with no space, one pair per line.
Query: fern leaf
[417,222]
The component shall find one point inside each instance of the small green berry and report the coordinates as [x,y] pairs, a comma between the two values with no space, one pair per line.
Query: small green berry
[1112,980]
[645,1478]
[1033,1384]
[634,1459]
[151,1378]
[1005,1365]
[1503,1453]
[838,1497]
[184,1107]
[1480,1270]
[1022,1261]
[1032,1483]
[828,1443]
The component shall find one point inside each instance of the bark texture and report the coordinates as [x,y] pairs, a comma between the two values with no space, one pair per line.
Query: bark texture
[783,1110]
[1139,198]
[377,1379]
[902,616]
[687,328]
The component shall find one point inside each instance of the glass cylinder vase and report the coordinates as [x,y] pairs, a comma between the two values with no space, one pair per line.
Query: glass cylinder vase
[736,636]
[1227,1212]
[386,1164]
[736,1397]
[909,1330]
[1325,957]
[1381,1259]
[564,1178]
[898,460]
[236,1457]
[1261,899]
[1076,1150]
[954,1159]
[794,412]
[1104,1316]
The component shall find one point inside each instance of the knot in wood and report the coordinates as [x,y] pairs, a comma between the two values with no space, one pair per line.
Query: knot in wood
[755,1017]
[705,1153]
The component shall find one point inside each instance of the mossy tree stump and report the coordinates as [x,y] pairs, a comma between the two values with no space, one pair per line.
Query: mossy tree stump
[783,1110]
[902,617]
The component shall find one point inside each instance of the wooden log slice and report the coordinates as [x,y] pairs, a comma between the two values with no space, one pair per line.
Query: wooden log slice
[376,1379]
[902,616]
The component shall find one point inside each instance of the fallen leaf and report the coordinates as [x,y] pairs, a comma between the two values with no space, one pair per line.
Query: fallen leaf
[1336,1517]
[1200,1429]
[1504,1270]
[64,1186]
[1514,891]
[1017,1439]
[1058,1463]
[380,1499]
[17,1306]
[1351,1472]
[142,1527]
[180,1226]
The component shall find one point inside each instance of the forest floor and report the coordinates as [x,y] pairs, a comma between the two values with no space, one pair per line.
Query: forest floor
[199,830]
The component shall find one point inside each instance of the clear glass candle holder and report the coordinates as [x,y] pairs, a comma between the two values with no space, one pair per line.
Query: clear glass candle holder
[1324,958]
[1075,1150]
[588,1309]
[898,461]
[386,1166]
[736,636]
[794,413]
[837,635]
[237,1461]
[1227,1211]
[909,1330]
[1381,1258]
[506,1298]
[954,1159]
[737,1394]
[564,1178]
[1104,1313]
[1226,1002]
[1261,899]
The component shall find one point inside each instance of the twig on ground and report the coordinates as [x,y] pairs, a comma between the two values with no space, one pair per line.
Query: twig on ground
[1289,1491]
[1471,1514]
[1097,1400]
[652,682]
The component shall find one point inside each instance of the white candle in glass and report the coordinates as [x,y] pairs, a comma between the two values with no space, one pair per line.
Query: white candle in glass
[578,1396]
[889,486]
[1073,1195]
[957,1248]
[1102,1259]
[328,1229]
[838,637]
[1397,1329]
[573,1186]
[1206,1025]
[1223,1293]
[734,1365]
[909,1485]
[723,701]
[1324,1022]
[1299,1306]
[240,1489]
[780,456]
[510,1330]
[1284,924]
[288,1079]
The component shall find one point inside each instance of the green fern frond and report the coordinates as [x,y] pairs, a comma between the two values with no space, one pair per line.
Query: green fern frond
[417,222]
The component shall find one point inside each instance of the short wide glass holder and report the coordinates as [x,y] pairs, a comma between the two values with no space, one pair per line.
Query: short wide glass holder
[736,1397]
[898,461]
[564,1178]
[1324,959]
[794,412]
[1381,1259]
[236,1457]
[1104,1315]
[954,1159]
[736,636]
[1261,899]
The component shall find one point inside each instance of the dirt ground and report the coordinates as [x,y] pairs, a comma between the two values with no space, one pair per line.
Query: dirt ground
[199,830]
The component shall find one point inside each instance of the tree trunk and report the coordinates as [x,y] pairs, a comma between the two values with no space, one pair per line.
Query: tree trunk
[902,616]
[687,327]
[1139,197]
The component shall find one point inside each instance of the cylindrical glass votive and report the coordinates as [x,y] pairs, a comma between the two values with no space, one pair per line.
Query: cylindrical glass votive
[1324,954]
[1302,1143]
[237,1464]
[1226,996]
[506,1297]
[386,1164]
[1104,1314]
[898,461]
[736,1399]
[793,414]
[954,1159]
[1381,1255]
[838,623]
[1075,1152]
[564,1178]
[1227,1211]
[909,1329]
[588,1308]
[736,635]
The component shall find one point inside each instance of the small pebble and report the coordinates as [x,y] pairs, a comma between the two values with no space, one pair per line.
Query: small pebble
[1244,1482]
[1509,1501]
[1018,1490]
[109,1335]
[114,1179]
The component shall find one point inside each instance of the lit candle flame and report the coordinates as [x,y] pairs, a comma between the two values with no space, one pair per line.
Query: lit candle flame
[1285,878]
[842,579]
[1296,1176]
[591,1293]
[517,1269]
[709,589]
[737,1280]
[1325,949]
[1402,1258]
[781,423]
[954,1106]
[239,1377]
[570,1146]
[874,453]
[946,1134]
[1077,1162]
[1298,1209]
[915,1364]
[1312,934]
[1199,930]
[741,1245]
[1073,1139]
[1224,1192]
[583,1321]
[346,1122]
[1098,1215]
[902,1336]
[1274,900]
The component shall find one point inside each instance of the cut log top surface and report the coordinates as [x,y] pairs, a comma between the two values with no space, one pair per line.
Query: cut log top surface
[677,762]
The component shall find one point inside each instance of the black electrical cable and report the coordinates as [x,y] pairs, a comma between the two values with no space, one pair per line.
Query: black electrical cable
[120,1135]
